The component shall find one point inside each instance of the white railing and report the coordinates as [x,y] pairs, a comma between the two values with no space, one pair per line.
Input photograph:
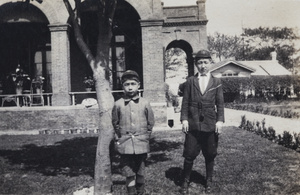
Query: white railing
[24,99]
[93,94]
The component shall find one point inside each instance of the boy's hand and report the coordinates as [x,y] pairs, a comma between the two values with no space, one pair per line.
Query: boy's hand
[219,127]
[185,126]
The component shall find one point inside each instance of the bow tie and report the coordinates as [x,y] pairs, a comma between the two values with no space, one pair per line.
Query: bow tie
[203,75]
[134,99]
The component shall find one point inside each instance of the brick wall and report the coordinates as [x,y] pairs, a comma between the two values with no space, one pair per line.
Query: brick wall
[60,118]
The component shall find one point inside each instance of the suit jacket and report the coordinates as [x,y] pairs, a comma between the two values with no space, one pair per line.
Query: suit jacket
[202,110]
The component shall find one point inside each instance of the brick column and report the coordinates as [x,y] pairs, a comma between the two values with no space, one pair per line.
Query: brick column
[60,57]
[153,67]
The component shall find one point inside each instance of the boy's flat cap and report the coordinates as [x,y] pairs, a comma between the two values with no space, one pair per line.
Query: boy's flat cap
[203,54]
[130,74]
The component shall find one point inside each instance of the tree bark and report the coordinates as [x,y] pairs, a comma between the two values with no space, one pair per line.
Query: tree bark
[102,175]
[99,65]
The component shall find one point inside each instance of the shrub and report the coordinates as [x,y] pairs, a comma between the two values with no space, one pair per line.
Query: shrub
[287,139]
[274,113]
[295,115]
[243,122]
[265,87]
[266,111]
[297,140]
[258,129]
[260,109]
[272,134]
[288,114]
[265,133]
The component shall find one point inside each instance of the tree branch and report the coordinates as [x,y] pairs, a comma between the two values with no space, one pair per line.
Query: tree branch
[78,34]
[105,30]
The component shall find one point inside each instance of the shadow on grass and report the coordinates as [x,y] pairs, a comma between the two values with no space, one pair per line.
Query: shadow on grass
[72,157]
[175,174]
[159,150]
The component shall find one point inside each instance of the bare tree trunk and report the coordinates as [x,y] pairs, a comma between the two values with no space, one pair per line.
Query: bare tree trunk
[102,176]
[99,65]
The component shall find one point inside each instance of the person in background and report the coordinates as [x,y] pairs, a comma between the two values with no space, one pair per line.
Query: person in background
[133,120]
[202,117]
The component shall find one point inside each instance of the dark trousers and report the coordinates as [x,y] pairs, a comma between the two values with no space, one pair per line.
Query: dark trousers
[133,168]
[133,164]
[195,142]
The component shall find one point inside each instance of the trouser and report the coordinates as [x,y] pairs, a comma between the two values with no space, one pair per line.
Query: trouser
[133,168]
[195,142]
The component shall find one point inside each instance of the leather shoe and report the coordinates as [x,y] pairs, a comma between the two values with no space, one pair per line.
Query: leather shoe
[185,187]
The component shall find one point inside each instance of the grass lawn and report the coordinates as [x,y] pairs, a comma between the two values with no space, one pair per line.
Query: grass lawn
[61,164]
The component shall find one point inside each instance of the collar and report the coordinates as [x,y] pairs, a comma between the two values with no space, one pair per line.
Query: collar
[128,99]
[206,76]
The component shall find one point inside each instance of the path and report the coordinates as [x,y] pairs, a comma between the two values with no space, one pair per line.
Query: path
[233,118]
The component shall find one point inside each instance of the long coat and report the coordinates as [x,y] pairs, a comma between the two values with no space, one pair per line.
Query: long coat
[133,120]
[202,110]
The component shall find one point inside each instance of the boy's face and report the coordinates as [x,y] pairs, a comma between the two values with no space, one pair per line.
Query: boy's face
[131,87]
[203,65]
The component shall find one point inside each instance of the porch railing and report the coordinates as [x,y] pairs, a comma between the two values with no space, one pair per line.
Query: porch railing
[77,97]
[24,99]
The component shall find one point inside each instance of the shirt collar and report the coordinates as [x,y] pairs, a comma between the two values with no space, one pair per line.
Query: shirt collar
[205,76]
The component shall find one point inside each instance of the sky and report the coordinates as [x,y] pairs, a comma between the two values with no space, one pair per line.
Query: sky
[230,16]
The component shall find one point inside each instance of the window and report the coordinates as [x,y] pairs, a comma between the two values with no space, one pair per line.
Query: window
[229,73]
[118,60]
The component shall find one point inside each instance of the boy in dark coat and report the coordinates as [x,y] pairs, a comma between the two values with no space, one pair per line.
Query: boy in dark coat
[202,117]
[133,120]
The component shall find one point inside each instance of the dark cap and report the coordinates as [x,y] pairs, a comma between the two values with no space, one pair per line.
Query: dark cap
[203,54]
[130,74]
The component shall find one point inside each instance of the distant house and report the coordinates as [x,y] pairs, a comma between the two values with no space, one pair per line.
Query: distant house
[233,68]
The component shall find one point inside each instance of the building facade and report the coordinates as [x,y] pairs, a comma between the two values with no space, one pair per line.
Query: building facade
[37,36]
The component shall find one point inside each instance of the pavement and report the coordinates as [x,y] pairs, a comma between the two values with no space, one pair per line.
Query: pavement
[279,124]
[234,117]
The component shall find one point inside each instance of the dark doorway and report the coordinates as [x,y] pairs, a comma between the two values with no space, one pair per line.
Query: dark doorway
[126,45]
[23,32]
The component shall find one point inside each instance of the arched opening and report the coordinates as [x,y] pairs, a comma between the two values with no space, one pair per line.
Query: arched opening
[179,66]
[126,45]
[25,43]
[186,47]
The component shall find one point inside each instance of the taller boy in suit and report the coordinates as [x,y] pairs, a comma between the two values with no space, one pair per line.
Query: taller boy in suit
[202,117]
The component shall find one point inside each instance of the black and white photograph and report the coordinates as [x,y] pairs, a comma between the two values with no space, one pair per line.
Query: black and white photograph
[149,97]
